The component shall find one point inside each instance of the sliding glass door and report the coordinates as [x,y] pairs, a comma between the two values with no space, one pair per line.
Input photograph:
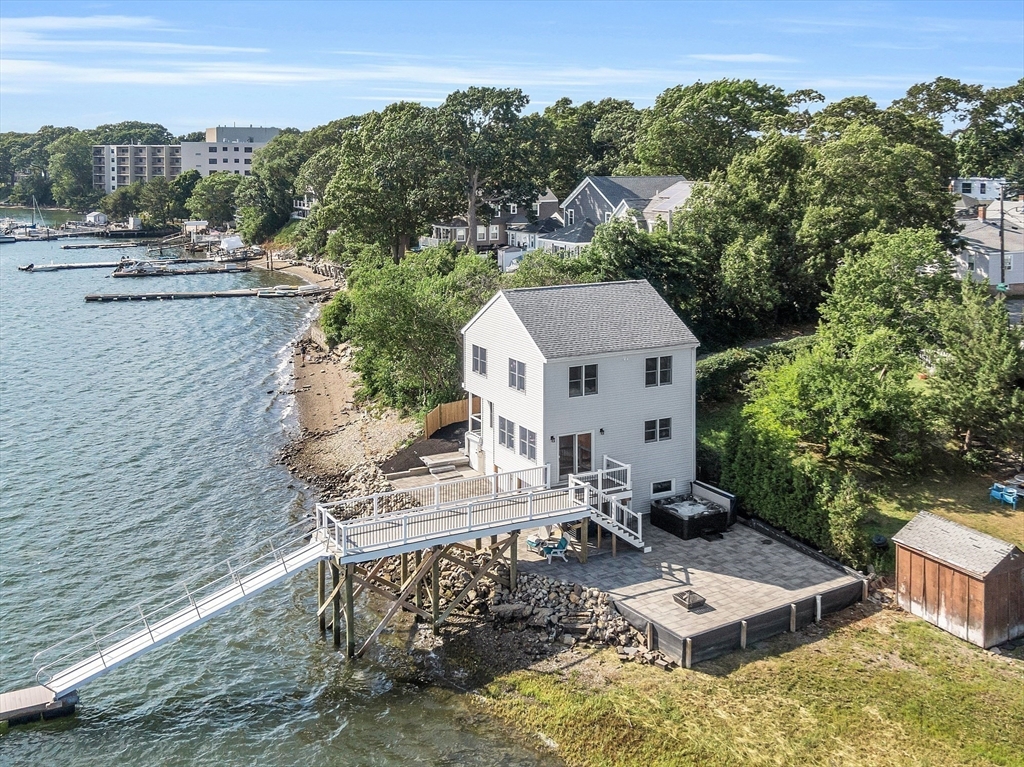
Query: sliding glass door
[574,455]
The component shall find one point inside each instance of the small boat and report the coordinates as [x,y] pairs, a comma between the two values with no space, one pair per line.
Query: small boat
[51,267]
[8,238]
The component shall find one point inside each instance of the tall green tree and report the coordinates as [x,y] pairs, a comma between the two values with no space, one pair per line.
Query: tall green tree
[588,139]
[70,169]
[392,179]
[123,202]
[156,200]
[405,319]
[977,390]
[695,129]
[213,198]
[181,189]
[740,230]
[265,198]
[492,149]
[861,182]
[132,132]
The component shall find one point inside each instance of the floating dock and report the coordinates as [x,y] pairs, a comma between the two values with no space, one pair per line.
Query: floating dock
[238,293]
[162,272]
[104,246]
[34,704]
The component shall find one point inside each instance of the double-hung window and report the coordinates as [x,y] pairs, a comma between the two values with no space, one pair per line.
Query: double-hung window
[582,380]
[506,433]
[570,217]
[658,430]
[479,360]
[658,371]
[516,375]
[527,443]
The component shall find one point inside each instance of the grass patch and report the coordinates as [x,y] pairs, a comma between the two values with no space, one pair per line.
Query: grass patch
[287,236]
[945,487]
[886,689]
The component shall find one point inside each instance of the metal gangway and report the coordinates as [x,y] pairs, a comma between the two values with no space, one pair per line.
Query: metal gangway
[344,532]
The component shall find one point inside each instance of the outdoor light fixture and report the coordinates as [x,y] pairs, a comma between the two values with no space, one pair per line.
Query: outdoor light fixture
[552,437]
[601,431]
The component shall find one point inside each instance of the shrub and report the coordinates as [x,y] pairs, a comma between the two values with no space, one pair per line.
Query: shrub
[722,376]
[334,318]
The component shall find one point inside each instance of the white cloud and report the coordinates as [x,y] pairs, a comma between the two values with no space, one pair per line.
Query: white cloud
[44,74]
[29,34]
[743,58]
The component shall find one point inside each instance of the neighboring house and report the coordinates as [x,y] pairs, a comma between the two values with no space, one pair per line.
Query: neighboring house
[978,257]
[599,199]
[662,207]
[227,150]
[494,232]
[981,189]
[96,218]
[568,239]
[301,206]
[569,375]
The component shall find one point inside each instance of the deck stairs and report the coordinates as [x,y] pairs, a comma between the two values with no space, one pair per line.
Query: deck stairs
[345,532]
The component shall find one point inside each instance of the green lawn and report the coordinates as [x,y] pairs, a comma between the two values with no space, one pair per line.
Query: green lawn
[944,486]
[870,689]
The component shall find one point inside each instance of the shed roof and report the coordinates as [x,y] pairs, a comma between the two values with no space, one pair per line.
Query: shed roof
[581,233]
[597,318]
[950,542]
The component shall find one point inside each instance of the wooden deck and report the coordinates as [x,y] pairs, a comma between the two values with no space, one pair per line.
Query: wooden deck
[34,703]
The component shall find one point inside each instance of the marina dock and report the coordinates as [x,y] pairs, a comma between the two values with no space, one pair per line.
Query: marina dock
[162,271]
[237,293]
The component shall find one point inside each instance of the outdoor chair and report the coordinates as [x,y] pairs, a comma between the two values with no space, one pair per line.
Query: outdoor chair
[1010,497]
[995,493]
[558,550]
[533,543]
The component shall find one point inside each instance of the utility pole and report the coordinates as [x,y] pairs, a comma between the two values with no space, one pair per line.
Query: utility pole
[1002,247]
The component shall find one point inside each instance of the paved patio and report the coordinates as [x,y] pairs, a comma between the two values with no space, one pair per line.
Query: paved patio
[743,574]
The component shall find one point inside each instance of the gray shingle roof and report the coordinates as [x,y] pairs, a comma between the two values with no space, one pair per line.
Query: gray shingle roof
[597,318]
[578,234]
[639,190]
[948,541]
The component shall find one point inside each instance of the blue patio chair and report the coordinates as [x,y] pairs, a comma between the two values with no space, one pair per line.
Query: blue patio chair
[533,543]
[1010,497]
[558,550]
[995,493]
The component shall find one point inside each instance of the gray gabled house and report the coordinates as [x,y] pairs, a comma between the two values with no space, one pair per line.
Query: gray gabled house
[599,199]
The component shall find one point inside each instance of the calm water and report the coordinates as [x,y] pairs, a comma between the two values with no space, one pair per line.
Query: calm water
[137,444]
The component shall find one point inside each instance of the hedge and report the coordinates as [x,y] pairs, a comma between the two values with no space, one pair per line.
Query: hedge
[721,376]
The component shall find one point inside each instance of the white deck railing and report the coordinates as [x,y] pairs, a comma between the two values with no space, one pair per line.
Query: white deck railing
[439,493]
[613,476]
[611,514]
[458,520]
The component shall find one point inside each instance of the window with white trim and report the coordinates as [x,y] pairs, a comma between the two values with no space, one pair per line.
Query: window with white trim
[582,380]
[658,371]
[527,443]
[460,235]
[607,217]
[665,487]
[481,234]
[479,360]
[516,375]
[494,231]
[658,430]
[965,187]
[982,187]
[570,217]
[506,433]
[513,208]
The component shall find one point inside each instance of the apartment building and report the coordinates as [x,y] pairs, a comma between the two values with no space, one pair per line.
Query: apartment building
[226,149]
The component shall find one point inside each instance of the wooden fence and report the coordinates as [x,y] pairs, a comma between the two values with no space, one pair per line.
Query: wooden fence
[445,415]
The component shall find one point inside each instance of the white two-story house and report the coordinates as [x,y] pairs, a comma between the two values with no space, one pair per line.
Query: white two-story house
[570,374]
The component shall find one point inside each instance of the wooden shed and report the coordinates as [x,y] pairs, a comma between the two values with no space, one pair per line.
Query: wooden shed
[965,582]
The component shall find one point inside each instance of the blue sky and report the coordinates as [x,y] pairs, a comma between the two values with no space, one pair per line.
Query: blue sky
[190,65]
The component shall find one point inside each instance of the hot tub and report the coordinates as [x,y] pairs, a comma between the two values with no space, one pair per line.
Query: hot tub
[688,518]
